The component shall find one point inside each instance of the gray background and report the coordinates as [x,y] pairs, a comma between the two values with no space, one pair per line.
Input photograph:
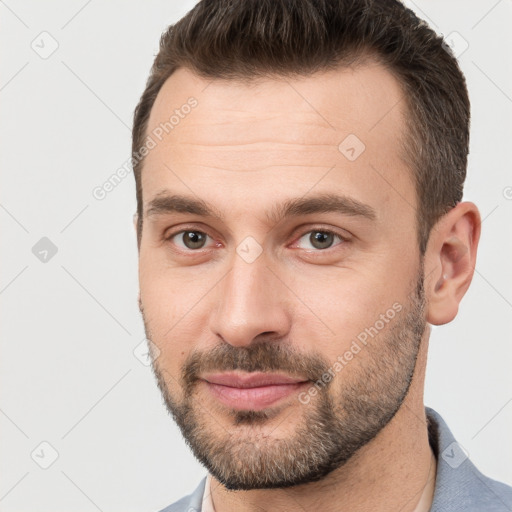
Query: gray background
[70,323]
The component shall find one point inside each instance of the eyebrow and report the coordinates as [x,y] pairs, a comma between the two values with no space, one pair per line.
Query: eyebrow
[164,203]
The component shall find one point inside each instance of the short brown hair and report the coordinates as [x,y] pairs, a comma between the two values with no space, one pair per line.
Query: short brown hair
[248,39]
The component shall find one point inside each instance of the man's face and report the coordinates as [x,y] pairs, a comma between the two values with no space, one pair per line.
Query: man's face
[326,295]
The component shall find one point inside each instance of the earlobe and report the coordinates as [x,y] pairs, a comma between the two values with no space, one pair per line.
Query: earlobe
[451,259]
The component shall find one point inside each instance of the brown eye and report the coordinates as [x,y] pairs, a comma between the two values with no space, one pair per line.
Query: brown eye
[190,239]
[319,239]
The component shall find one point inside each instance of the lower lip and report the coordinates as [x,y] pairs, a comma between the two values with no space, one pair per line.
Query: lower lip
[254,399]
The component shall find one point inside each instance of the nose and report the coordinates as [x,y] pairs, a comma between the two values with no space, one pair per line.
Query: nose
[250,301]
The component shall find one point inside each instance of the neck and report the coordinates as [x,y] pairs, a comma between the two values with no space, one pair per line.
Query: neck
[394,471]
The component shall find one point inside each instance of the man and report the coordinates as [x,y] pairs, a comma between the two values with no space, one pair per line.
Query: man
[299,168]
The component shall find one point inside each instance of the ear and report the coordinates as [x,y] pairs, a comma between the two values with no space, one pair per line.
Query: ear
[136,227]
[450,260]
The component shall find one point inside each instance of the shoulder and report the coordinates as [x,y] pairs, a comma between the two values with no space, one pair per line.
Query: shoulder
[191,502]
[460,486]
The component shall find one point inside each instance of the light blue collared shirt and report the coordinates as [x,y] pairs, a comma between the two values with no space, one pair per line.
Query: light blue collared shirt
[460,487]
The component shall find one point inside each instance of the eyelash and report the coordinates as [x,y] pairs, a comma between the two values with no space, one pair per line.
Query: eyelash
[343,239]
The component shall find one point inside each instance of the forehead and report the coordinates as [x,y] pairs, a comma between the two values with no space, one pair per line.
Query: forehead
[238,135]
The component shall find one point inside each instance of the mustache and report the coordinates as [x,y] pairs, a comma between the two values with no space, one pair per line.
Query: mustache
[264,356]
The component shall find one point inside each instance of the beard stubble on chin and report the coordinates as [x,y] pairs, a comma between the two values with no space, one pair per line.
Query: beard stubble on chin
[343,417]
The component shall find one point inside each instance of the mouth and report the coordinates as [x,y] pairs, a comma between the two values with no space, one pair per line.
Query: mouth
[254,391]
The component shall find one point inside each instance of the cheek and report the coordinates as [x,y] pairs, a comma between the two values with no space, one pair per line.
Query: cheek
[164,296]
[342,306]
[163,310]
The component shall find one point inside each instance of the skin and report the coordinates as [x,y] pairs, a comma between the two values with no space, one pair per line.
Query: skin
[244,149]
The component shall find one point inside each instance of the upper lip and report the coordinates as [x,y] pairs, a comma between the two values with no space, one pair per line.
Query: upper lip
[251,380]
